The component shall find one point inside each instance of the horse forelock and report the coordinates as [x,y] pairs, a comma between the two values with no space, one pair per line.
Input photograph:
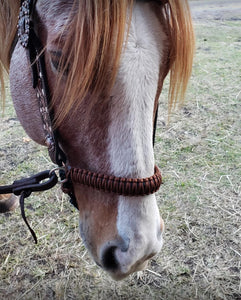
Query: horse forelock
[93,39]
[92,34]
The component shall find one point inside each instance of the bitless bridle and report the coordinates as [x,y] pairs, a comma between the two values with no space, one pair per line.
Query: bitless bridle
[28,39]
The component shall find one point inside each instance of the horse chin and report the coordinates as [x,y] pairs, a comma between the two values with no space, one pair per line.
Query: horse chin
[136,268]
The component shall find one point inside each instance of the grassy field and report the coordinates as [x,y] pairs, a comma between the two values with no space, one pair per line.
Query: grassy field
[199,153]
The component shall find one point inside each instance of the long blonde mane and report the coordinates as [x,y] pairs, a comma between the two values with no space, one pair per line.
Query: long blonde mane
[92,49]
[8,24]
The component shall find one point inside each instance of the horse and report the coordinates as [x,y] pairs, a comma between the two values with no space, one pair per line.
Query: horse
[105,62]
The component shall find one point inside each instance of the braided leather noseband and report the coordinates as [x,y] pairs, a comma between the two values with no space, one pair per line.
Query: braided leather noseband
[118,185]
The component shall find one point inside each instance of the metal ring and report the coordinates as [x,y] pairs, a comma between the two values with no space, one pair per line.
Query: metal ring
[64,180]
[56,169]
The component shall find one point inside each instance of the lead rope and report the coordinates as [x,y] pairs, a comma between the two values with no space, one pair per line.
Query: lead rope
[29,40]
[24,187]
[24,195]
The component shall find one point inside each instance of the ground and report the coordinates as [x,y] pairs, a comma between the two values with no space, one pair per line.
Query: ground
[199,155]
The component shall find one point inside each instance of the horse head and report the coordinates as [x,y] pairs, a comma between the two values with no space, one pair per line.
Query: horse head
[105,66]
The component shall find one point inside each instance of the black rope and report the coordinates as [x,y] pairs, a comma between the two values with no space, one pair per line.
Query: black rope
[24,195]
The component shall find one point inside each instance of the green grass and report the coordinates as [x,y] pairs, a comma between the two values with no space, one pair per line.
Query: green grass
[200,155]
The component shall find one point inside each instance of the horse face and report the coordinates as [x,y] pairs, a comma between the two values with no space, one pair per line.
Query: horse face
[114,137]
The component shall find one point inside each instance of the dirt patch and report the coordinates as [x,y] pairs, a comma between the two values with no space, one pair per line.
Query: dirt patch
[216,10]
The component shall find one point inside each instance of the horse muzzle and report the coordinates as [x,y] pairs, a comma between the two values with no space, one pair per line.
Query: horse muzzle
[123,257]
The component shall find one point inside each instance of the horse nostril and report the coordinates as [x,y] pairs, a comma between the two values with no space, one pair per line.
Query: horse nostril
[109,261]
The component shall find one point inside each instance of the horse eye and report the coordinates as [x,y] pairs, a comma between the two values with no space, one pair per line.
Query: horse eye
[56,62]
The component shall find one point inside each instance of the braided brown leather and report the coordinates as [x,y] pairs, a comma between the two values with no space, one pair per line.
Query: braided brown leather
[118,185]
